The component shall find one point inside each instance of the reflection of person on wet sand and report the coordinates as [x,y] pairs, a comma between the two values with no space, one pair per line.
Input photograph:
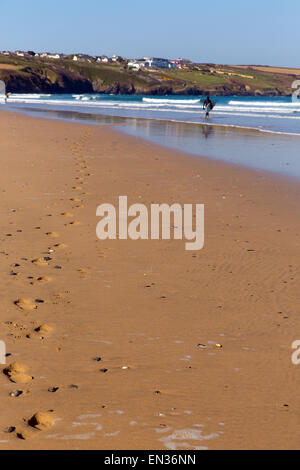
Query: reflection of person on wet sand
[207,131]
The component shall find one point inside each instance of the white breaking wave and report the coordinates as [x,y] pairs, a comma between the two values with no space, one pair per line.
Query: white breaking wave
[27,96]
[265,103]
[167,101]
[259,109]
[81,100]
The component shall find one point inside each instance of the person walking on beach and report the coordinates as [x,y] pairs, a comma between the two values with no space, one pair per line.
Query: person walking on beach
[208,106]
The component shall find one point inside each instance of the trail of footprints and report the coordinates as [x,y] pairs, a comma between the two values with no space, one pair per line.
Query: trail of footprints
[18,373]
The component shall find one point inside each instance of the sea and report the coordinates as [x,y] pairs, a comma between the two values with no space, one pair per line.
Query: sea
[258,132]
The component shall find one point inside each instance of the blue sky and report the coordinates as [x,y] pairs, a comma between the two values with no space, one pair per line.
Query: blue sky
[222,31]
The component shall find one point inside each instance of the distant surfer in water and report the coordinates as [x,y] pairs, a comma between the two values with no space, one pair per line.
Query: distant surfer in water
[208,106]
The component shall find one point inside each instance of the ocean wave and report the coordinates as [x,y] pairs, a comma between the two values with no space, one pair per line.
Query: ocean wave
[157,104]
[27,96]
[269,115]
[265,103]
[196,110]
[168,101]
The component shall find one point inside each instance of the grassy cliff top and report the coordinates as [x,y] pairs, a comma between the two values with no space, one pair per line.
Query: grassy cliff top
[114,77]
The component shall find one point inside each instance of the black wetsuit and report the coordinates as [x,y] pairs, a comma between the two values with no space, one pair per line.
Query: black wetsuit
[208,105]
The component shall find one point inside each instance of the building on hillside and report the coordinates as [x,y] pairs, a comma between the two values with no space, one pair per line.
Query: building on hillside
[157,62]
[54,56]
[83,57]
[21,53]
[117,58]
[103,58]
[181,63]
[136,64]
[49,55]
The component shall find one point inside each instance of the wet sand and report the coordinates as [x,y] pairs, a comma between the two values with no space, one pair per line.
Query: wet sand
[112,343]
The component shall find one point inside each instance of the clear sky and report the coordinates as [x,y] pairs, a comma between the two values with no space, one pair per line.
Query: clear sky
[221,31]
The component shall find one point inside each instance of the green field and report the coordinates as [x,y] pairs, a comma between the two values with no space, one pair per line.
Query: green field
[65,75]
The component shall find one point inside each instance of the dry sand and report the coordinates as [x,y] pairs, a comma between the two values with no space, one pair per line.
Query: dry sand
[141,308]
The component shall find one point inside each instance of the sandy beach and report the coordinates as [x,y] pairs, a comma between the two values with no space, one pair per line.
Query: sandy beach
[112,344]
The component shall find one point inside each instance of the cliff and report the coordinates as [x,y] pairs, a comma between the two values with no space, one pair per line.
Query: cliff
[31,75]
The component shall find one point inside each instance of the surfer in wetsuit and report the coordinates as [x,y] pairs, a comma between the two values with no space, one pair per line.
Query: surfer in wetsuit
[208,106]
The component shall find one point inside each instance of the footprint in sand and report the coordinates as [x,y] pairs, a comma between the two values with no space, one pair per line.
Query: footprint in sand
[41,280]
[52,234]
[15,274]
[66,214]
[17,373]
[75,199]
[40,262]
[25,433]
[60,245]
[74,222]
[41,332]
[77,188]
[40,421]
[26,304]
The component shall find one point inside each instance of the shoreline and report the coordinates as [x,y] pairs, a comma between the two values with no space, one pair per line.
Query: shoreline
[271,152]
[145,305]
[202,124]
